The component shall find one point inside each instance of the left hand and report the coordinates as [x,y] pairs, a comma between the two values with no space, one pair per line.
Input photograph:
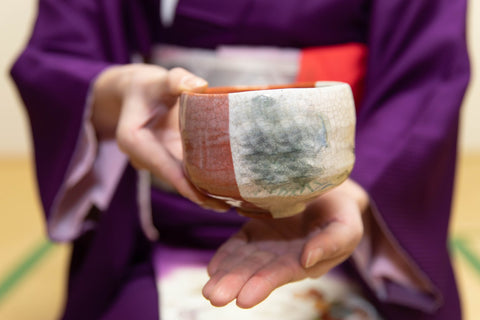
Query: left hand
[266,254]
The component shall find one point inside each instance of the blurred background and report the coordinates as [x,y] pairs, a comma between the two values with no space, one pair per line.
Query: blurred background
[33,270]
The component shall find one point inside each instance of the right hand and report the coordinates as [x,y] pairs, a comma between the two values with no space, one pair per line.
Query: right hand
[138,104]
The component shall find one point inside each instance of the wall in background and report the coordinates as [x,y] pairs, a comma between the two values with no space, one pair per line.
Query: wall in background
[470,126]
[16,18]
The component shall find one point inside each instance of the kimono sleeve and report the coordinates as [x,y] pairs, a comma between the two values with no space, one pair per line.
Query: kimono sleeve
[406,143]
[71,43]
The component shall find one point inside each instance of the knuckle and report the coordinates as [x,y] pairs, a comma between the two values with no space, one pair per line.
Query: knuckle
[126,138]
[177,70]
[146,77]
[355,239]
[358,233]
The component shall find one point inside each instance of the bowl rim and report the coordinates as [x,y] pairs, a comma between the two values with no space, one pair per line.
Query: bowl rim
[225,90]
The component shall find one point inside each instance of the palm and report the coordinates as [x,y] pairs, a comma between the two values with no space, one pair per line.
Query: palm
[267,254]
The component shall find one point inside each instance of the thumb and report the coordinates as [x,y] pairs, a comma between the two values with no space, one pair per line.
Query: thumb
[180,80]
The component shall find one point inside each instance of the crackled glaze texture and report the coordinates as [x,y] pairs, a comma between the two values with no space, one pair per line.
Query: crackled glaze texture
[269,151]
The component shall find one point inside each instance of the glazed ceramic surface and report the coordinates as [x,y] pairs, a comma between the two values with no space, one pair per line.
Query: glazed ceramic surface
[267,150]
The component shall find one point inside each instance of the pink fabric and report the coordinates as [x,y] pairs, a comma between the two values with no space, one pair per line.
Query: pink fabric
[380,258]
[95,170]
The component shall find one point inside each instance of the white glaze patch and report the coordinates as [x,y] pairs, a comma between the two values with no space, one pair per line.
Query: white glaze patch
[289,145]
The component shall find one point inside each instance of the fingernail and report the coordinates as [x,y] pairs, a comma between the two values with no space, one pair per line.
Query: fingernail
[314,257]
[189,83]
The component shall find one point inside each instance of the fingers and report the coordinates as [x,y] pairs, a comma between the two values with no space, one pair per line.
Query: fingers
[338,239]
[232,265]
[148,131]
[250,275]
[155,83]
[249,272]
[226,285]
[324,266]
[251,280]
[146,152]
[355,191]
[221,257]
[275,274]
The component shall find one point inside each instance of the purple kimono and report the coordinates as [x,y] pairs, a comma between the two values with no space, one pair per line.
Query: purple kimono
[417,72]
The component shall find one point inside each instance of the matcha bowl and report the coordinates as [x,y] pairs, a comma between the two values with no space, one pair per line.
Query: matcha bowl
[268,150]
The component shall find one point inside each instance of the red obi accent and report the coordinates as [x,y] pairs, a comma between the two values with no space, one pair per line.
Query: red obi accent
[344,62]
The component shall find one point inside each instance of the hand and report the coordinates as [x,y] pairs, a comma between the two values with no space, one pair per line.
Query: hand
[267,254]
[138,104]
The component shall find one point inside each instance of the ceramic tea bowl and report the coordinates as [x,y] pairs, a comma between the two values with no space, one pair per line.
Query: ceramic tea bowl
[268,150]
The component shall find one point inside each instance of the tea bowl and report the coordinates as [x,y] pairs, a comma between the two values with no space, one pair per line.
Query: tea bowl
[268,150]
